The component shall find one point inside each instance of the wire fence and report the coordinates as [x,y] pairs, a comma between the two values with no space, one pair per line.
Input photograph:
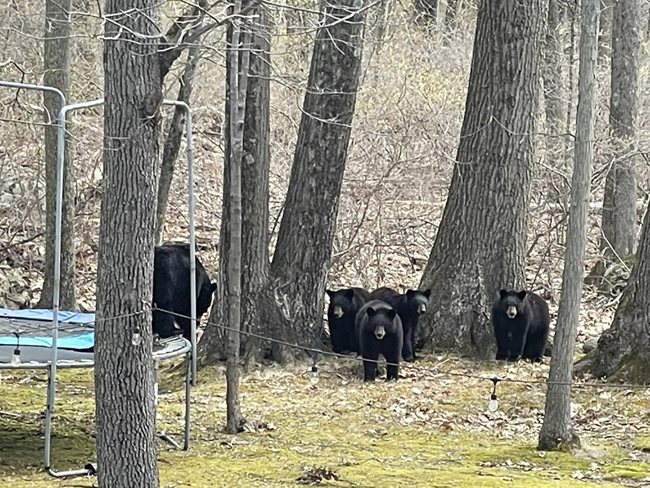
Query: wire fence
[33,326]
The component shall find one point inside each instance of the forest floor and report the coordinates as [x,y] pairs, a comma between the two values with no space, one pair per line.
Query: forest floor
[431,428]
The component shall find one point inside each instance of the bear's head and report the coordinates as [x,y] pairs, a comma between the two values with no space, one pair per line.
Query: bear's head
[341,301]
[512,302]
[417,301]
[381,320]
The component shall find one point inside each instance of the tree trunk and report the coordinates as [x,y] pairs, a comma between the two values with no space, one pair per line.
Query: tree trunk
[619,204]
[553,95]
[256,164]
[480,245]
[57,64]
[302,254]
[173,141]
[124,377]
[623,348]
[255,205]
[236,86]
[557,429]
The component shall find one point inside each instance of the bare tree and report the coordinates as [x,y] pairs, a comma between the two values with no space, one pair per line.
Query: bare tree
[624,349]
[237,79]
[173,141]
[480,245]
[304,245]
[557,429]
[256,161]
[554,99]
[57,67]
[619,204]
[124,376]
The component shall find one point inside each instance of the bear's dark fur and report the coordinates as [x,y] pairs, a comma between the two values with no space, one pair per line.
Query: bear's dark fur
[341,315]
[409,306]
[171,289]
[521,324]
[380,332]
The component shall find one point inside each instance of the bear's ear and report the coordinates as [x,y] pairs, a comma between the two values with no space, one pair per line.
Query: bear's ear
[371,311]
[410,294]
[213,286]
[522,295]
[330,293]
[349,294]
[503,293]
[391,313]
[427,293]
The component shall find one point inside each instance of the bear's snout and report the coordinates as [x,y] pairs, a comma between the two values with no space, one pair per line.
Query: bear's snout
[511,312]
[380,332]
[422,308]
[338,312]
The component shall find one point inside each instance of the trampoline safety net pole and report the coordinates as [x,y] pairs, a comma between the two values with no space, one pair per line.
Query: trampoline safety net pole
[60,148]
[60,163]
[190,211]
[190,218]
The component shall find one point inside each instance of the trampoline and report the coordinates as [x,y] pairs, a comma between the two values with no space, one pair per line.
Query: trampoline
[52,339]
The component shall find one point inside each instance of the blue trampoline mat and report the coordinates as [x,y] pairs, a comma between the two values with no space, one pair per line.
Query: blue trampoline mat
[48,315]
[37,330]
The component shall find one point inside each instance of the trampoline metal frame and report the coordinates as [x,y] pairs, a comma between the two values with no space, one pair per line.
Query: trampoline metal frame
[191,376]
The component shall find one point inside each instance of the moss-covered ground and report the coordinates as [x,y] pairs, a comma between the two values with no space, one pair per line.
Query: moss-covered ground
[430,429]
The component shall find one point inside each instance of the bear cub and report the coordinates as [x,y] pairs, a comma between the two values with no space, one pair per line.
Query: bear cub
[341,315]
[171,290]
[409,307]
[521,324]
[380,332]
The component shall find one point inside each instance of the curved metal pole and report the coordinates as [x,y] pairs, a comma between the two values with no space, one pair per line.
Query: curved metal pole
[60,148]
[60,166]
[190,218]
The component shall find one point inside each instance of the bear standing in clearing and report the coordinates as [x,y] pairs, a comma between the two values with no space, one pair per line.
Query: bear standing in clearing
[341,315]
[171,290]
[521,324]
[380,332]
[409,307]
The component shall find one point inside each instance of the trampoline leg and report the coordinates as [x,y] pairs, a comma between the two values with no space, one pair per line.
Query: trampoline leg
[49,409]
[188,385]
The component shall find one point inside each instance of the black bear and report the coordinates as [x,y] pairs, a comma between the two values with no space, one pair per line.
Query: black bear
[341,316]
[379,331]
[409,306]
[521,323]
[171,289]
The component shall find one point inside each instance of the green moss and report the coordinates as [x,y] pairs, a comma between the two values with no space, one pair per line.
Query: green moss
[428,429]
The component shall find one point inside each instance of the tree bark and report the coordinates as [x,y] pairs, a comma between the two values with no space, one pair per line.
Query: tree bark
[255,205]
[302,254]
[623,348]
[236,86]
[480,245]
[557,429]
[619,204]
[57,66]
[554,101]
[124,377]
[173,141]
